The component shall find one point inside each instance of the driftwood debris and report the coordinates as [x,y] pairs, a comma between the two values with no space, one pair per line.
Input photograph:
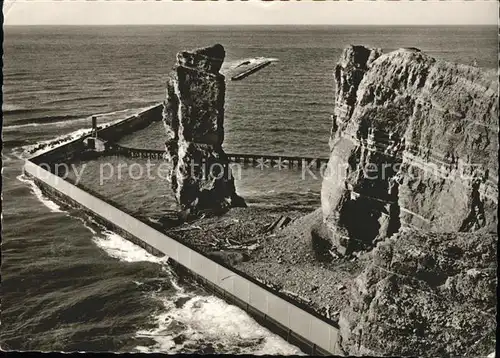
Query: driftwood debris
[278,224]
[251,245]
[194,227]
[334,254]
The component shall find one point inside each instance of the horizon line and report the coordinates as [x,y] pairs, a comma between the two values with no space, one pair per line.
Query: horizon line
[239,24]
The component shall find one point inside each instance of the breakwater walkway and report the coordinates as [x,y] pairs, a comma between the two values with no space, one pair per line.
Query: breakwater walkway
[257,160]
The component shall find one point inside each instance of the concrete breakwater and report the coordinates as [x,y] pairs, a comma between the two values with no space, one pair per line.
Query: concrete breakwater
[298,325]
[292,320]
[112,132]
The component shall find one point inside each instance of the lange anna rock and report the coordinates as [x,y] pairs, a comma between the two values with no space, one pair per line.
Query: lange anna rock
[194,116]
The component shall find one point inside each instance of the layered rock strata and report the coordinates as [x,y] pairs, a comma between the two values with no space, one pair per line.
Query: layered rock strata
[412,178]
[425,295]
[414,143]
[193,115]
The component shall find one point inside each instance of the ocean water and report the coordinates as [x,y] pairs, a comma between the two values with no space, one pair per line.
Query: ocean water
[68,284]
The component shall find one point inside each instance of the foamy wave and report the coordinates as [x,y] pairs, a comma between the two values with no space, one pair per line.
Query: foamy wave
[114,245]
[9,128]
[124,250]
[120,248]
[200,320]
[32,151]
[128,111]
[38,193]
[89,223]
[211,320]
[107,117]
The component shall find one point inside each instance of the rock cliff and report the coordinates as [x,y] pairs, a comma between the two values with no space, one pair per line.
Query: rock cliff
[414,143]
[193,115]
[412,180]
[424,294]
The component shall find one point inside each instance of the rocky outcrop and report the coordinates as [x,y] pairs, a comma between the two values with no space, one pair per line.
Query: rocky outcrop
[194,121]
[412,178]
[425,294]
[413,143]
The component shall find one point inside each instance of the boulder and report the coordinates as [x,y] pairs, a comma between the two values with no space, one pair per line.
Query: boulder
[193,115]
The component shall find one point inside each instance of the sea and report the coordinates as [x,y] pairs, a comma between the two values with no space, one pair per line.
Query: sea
[69,284]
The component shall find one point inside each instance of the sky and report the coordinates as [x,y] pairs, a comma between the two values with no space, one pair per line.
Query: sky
[361,12]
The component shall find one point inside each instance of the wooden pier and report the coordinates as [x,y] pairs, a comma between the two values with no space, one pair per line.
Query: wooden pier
[262,161]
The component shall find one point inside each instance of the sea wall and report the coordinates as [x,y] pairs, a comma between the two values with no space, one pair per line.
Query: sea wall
[129,125]
[73,149]
[307,330]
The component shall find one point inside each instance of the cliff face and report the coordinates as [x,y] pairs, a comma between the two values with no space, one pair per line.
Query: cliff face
[414,143]
[424,294]
[194,121]
[412,178]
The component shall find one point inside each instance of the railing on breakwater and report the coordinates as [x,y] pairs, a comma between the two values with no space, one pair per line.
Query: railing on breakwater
[262,160]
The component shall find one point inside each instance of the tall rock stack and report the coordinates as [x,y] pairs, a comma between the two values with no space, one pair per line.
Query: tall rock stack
[194,120]
[413,178]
